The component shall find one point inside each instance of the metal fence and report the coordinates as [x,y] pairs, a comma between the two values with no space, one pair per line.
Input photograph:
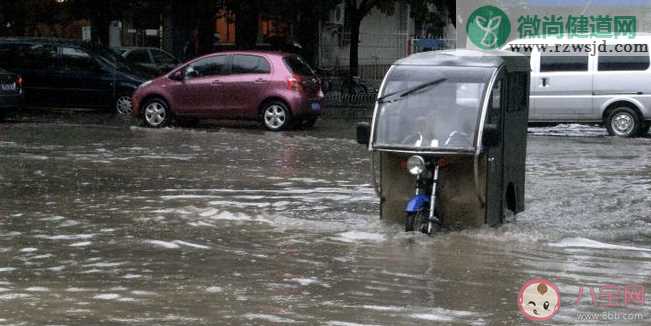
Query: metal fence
[349,106]
[377,53]
[349,100]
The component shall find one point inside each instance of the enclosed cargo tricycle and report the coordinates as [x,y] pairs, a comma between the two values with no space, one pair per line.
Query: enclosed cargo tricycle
[448,139]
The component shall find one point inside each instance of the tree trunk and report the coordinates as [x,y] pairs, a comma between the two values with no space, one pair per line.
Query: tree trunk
[246,27]
[353,66]
[306,32]
[100,30]
[207,13]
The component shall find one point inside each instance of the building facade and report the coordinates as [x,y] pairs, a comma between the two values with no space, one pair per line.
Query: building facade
[383,39]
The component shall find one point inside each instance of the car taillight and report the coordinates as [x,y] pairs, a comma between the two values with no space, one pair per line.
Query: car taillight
[294,83]
[19,82]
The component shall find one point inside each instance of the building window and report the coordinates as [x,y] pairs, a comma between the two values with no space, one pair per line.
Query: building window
[225,26]
[273,27]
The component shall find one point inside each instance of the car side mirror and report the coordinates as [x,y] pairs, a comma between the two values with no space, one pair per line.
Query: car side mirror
[491,135]
[363,133]
[190,73]
[178,75]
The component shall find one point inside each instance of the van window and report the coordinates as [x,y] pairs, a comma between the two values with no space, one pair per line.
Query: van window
[609,61]
[558,63]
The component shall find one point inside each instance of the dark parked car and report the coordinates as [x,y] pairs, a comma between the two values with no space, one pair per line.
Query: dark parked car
[152,60]
[68,73]
[11,92]
[277,89]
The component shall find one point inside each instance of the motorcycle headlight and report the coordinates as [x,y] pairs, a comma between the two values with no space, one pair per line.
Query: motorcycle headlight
[416,165]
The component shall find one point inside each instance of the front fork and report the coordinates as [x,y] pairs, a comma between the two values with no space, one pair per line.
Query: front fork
[432,218]
[420,202]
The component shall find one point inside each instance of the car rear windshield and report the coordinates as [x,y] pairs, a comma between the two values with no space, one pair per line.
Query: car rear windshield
[298,66]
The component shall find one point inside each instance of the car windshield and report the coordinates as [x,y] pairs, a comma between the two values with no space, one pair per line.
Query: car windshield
[430,107]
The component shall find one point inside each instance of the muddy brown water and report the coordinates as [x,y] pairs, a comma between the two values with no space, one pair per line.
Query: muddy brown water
[236,226]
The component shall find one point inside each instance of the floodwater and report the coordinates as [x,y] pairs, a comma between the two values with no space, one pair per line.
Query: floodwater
[122,225]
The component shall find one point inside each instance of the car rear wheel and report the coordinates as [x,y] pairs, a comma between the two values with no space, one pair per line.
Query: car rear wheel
[623,122]
[123,105]
[276,116]
[156,113]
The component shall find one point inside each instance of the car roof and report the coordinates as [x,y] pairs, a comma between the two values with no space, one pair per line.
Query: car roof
[61,41]
[129,48]
[468,58]
[75,43]
[255,52]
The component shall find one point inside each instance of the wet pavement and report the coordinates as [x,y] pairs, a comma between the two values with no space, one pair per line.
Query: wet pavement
[122,225]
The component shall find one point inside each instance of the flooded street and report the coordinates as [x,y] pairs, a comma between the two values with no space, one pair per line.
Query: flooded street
[120,225]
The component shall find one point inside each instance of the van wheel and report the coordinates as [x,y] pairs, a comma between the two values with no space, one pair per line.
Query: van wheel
[123,105]
[275,116]
[156,113]
[623,122]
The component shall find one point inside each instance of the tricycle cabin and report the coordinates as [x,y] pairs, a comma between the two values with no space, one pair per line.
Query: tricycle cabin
[457,122]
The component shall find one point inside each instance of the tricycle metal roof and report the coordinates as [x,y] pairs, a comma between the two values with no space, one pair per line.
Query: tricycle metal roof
[469,58]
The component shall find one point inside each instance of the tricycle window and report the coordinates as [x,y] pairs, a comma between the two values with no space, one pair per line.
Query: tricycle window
[430,107]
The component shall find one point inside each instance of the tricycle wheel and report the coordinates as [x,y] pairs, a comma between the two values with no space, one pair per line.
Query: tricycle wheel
[429,227]
[417,221]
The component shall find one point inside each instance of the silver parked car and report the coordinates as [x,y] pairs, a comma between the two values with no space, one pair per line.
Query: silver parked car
[590,81]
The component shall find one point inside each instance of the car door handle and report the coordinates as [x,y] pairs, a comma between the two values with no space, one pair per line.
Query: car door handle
[260,80]
[545,82]
[216,82]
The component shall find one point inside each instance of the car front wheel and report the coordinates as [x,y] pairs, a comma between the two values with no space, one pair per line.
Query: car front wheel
[276,116]
[156,113]
[623,122]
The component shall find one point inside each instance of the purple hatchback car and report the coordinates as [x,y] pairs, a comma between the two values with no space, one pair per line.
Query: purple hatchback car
[278,89]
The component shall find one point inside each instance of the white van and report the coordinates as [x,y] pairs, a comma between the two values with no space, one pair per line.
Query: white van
[590,81]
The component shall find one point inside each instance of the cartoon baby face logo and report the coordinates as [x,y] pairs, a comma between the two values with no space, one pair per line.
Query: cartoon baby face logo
[539,299]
